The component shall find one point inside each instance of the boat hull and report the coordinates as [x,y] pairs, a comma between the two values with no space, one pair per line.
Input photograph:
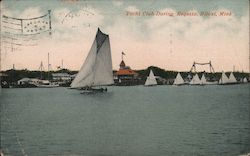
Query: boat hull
[93,90]
[47,86]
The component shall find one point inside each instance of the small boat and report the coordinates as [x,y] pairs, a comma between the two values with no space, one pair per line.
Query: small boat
[224,80]
[205,82]
[179,80]
[96,70]
[46,84]
[245,80]
[195,80]
[151,80]
[232,79]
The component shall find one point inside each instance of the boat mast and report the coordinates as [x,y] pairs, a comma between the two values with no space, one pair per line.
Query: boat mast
[48,66]
[41,69]
[62,64]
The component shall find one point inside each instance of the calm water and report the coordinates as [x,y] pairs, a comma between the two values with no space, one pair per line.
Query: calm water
[129,121]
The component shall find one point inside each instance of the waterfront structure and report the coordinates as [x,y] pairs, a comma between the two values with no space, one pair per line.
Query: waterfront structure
[125,75]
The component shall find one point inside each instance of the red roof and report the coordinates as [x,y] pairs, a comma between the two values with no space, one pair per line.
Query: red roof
[125,72]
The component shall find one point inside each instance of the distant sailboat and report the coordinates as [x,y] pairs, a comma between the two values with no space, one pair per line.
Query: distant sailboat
[203,79]
[232,78]
[245,80]
[97,68]
[46,83]
[151,81]
[179,80]
[225,80]
[195,80]
[205,82]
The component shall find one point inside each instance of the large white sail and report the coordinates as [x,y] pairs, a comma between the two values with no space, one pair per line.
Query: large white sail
[232,79]
[245,80]
[179,80]
[195,80]
[97,68]
[224,79]
[203,79]
[151,79]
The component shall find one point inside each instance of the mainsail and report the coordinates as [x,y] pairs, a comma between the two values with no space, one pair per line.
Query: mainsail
[178,80]
[232,79]
[97,68]
[151,79]
[224,79]
[203,79]
[245,80]
[195,80]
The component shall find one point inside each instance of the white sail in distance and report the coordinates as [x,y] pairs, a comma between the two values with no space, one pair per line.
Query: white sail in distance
[179,80]
[203,79]
[232,79]
[151,79]
[245,80]
[195,80]
[97,68]
[224,79]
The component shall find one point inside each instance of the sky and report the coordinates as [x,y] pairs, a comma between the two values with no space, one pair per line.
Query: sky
[170,34]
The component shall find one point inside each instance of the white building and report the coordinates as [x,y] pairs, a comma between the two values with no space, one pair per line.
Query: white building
[61,76]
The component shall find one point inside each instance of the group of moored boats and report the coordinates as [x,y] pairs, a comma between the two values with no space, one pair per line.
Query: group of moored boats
[151,80]
[203,81]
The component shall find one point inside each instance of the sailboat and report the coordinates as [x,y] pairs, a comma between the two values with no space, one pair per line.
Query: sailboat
[45,83]
[232,78]
[203,79]
[179,80]
[195,80]
[205,82]
[225,80]
[96,71]
[151,80]
[245,80]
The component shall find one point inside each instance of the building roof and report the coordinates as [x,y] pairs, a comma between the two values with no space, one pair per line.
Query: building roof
[122,64]
[125,72]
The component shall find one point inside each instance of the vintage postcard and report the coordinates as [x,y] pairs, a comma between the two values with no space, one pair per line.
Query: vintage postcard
[124,78]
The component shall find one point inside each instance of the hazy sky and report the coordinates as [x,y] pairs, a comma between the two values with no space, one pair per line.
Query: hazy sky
[170,42]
